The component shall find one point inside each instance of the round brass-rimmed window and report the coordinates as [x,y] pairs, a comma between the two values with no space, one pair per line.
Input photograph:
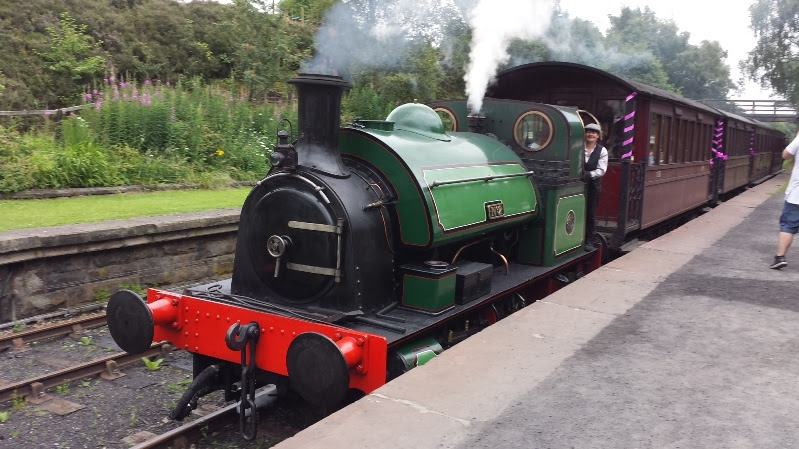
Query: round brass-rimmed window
[533,131]
[447,118]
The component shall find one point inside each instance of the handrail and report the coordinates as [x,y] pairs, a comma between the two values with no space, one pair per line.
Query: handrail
[480,178]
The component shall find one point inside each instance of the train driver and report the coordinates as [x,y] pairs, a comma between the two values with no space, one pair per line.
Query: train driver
[596,163]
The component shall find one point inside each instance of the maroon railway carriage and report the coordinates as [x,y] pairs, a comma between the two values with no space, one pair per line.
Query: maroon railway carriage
[732,153]
[744,152]
[663,148]
[767,152]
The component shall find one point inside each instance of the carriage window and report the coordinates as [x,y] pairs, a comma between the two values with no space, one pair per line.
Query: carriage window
[682,153]
[675,146]
[533,131]
[447,118]
[666,142]
[611,112]
[654,138]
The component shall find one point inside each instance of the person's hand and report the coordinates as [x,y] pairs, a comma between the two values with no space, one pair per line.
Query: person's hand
[587,176]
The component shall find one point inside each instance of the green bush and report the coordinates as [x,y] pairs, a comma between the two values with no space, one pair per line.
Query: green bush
[85,165]
[149,134]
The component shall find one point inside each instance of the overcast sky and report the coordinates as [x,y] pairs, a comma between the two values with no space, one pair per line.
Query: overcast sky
[723,21]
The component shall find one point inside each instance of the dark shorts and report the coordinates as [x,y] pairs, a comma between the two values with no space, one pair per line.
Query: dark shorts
[789,220]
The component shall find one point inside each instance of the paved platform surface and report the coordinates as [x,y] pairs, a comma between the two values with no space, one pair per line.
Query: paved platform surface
[690,341]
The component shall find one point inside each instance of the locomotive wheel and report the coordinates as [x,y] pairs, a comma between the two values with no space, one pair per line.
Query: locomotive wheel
[317,370]
[489,315]
[600,241]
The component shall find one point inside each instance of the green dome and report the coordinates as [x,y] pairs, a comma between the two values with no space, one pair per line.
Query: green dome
[419,119]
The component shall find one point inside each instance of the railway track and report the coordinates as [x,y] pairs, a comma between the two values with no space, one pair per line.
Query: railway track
[107,367]
[17,340]
[137,403]
[182,437]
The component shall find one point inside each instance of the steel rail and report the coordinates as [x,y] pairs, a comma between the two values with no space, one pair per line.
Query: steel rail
[181,437]
[34,387]
[19,339]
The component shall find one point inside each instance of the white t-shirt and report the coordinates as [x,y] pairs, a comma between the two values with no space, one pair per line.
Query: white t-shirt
[792,192]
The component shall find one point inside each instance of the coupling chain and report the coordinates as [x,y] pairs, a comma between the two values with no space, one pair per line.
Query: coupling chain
[244,339]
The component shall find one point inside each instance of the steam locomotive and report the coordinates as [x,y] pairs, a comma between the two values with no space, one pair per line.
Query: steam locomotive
[368,249]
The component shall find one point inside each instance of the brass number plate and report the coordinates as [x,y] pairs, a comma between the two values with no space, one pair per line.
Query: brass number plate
[495,210]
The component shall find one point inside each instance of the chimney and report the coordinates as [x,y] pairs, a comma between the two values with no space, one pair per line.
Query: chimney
[319,117]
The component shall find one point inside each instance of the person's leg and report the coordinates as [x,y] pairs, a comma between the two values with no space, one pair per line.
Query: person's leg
[789,225]
[590,213]
[784,242]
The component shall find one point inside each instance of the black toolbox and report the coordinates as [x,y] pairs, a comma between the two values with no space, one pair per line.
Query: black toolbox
[472,280]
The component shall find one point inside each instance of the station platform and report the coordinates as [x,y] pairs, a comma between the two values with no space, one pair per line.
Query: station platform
[689,341]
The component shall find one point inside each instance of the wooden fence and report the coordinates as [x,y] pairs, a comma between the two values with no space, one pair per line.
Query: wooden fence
[56,113]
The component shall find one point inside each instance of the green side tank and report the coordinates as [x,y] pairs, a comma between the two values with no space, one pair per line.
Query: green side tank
[449,185]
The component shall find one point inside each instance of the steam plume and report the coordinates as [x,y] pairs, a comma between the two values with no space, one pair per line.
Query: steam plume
[494,24]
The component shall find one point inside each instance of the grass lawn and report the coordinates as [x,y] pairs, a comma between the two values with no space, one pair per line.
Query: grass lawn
[19,214]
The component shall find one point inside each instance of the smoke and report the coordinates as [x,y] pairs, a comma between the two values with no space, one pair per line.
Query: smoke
[358,34]
[576,40]
[373,33]
[495,23]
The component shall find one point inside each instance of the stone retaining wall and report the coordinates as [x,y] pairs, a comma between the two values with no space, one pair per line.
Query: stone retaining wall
[45,269]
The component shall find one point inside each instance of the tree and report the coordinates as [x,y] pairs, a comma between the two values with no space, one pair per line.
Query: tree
[270,48]
[774,61]
[73,57]
[308,10]
[662,38]
[693,71]
[454,56]
[576,40]
[701,72]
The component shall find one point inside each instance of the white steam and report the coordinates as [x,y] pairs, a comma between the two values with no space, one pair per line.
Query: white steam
[357,34]
[495,23]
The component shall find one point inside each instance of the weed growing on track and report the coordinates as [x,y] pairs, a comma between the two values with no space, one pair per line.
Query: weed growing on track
[17,402]
[152,365]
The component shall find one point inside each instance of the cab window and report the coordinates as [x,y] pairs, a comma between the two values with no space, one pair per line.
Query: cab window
[533,131]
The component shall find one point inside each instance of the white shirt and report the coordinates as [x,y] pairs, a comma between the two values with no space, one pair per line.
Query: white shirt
[602,164]
[792,192]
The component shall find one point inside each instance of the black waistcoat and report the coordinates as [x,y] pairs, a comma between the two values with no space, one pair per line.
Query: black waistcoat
[591,165]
